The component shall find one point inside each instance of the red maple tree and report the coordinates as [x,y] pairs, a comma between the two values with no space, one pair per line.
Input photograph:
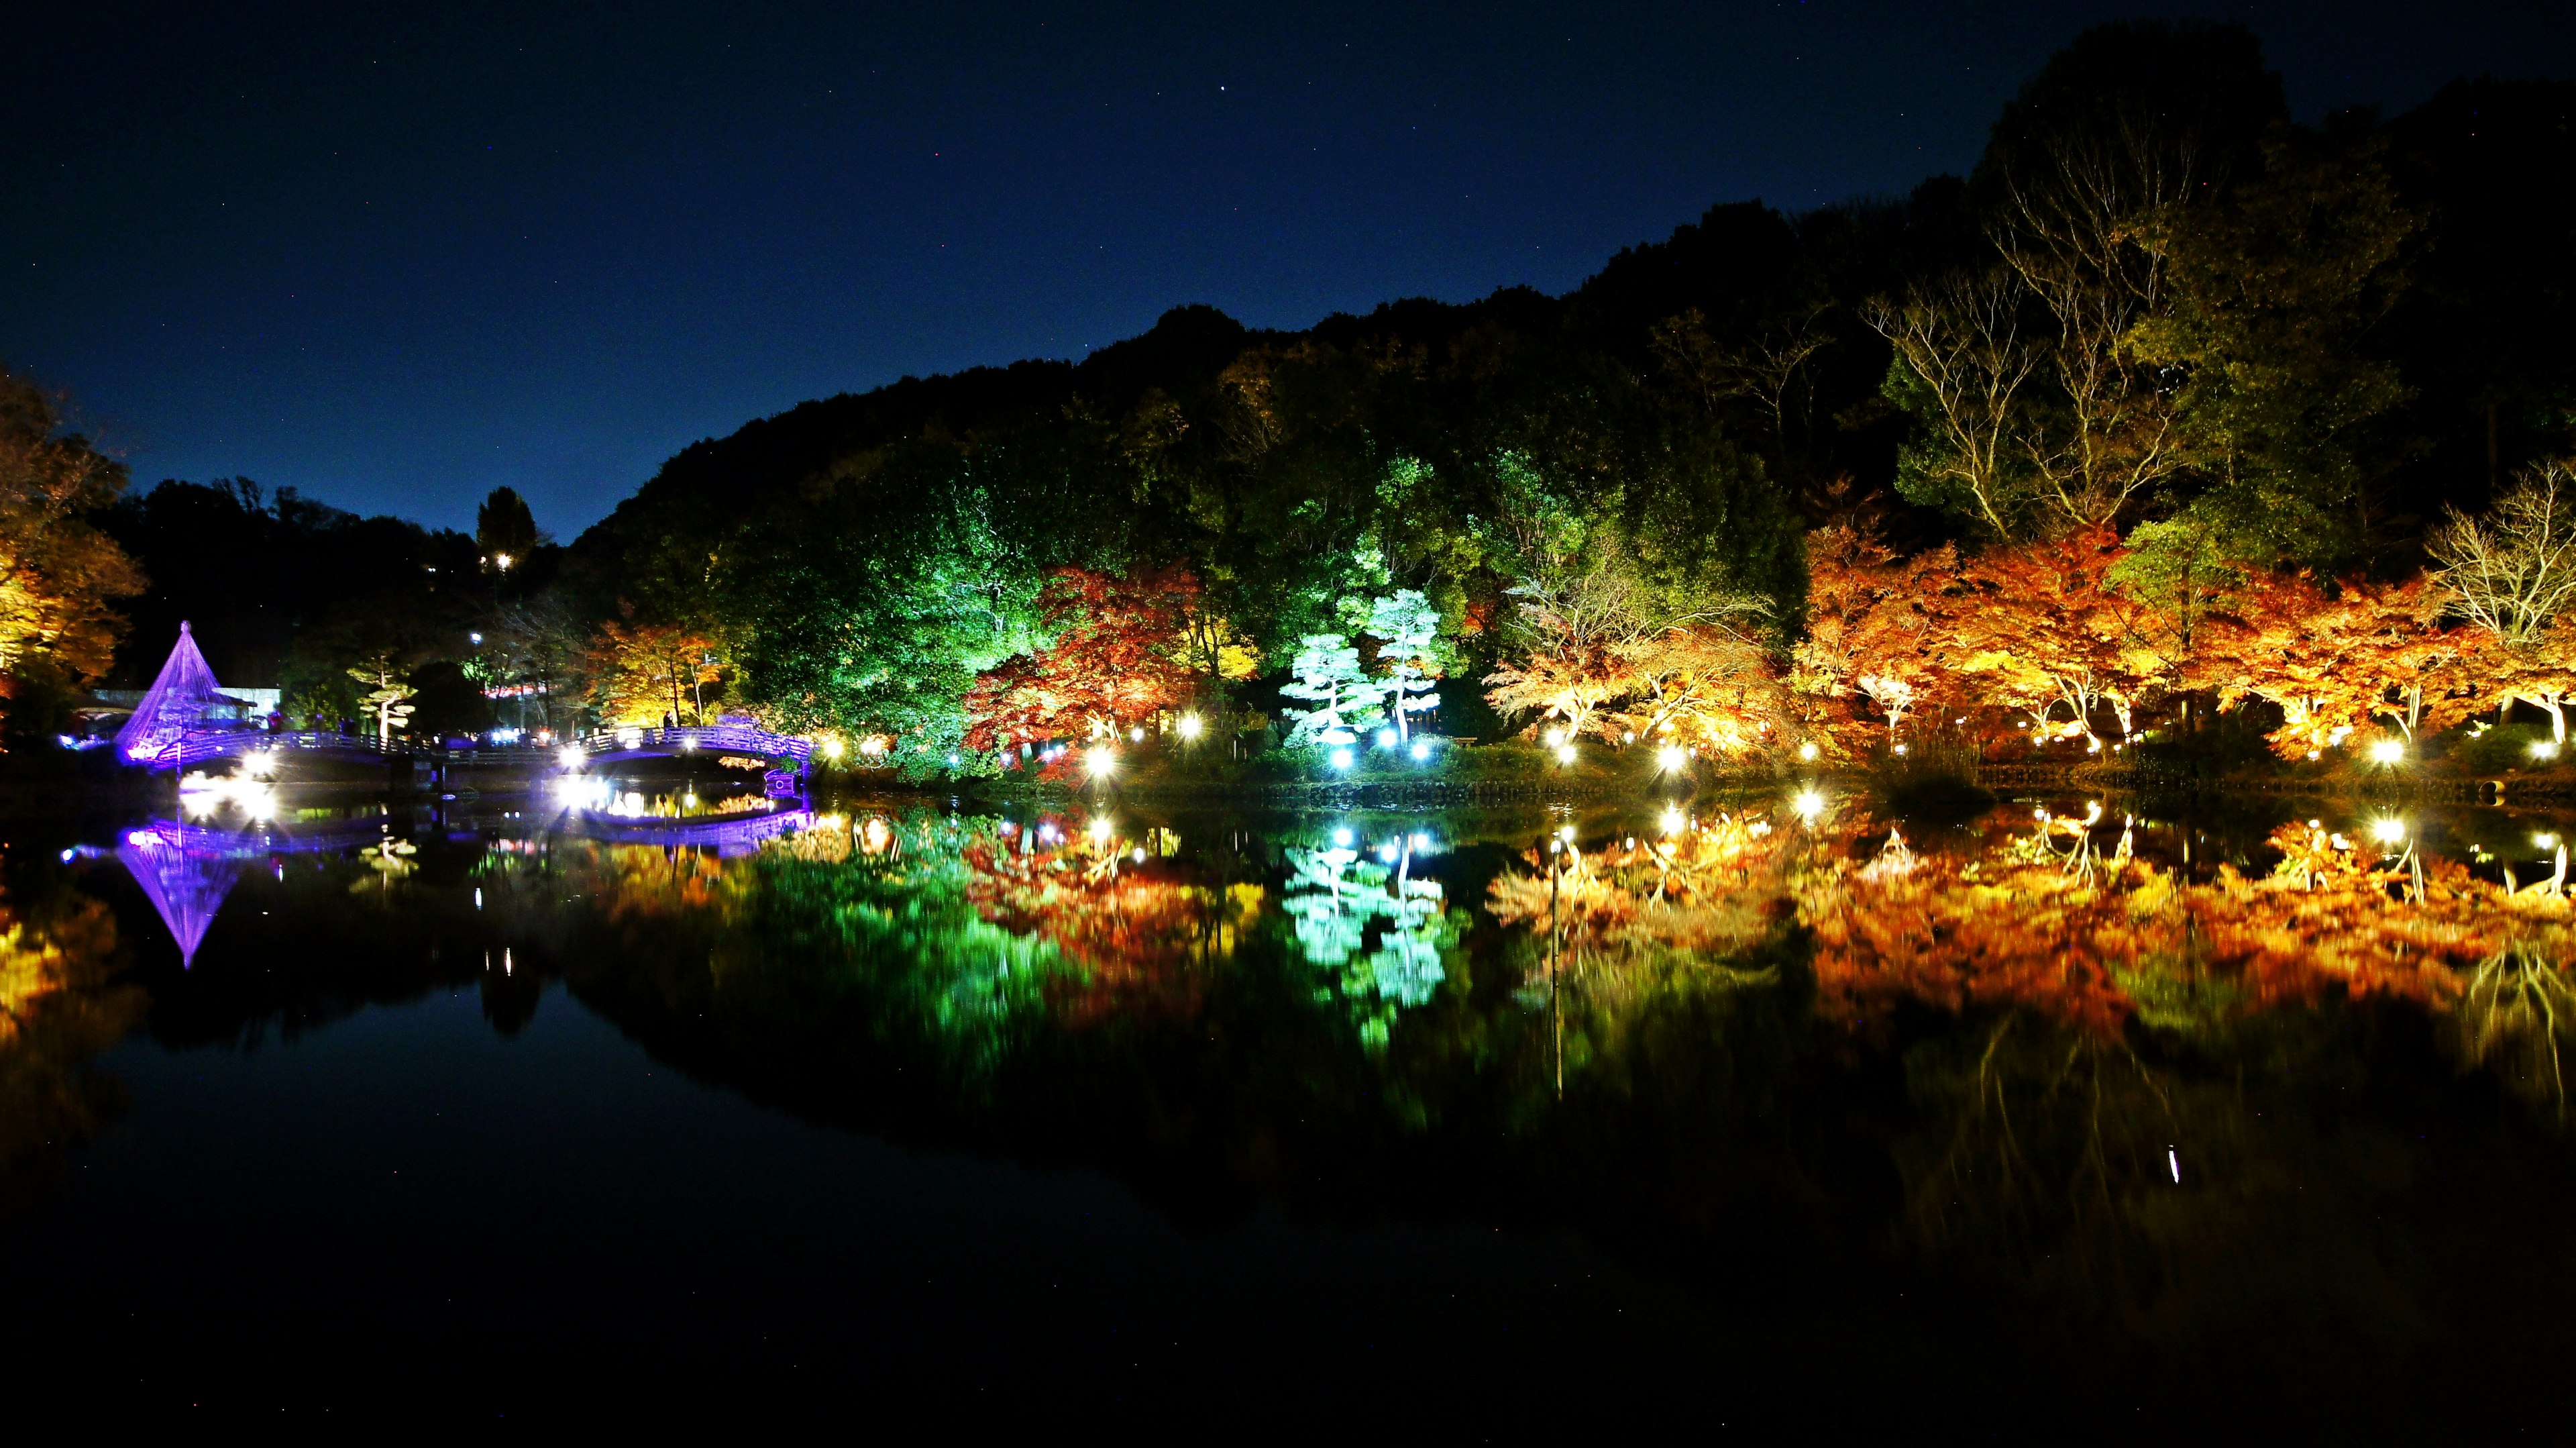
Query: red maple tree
[1118,659]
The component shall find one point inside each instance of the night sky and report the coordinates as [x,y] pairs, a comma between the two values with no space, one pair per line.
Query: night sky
[395,258]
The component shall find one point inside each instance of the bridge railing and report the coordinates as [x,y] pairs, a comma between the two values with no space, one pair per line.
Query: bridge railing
[696,738]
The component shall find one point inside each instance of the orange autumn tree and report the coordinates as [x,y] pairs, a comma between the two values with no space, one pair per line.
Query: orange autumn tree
[2335,662]
[1120,656]
[649,671]
[1870,632]
[2040,626]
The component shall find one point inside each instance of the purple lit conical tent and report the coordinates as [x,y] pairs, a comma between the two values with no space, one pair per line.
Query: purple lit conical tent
[175,704]
[186,885]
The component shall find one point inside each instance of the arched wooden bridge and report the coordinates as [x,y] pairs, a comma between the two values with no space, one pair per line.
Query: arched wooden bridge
[633,742]
[201,746]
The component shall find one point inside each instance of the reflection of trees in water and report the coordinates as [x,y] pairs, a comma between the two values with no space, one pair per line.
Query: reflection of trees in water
[2514,1011]
[60,1005]
[2186,1199]
[1137,930]
[1337,899]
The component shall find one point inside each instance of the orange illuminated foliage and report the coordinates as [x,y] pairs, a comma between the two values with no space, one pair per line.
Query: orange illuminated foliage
[1120,657]
[2337,662]
[1871,634]
[1139,934]
[2039,626]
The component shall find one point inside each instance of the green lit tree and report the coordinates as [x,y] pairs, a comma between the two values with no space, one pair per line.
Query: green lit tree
[1345,697]
[1408,630]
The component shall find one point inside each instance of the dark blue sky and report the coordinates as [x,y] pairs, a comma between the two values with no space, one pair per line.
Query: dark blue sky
[394,257]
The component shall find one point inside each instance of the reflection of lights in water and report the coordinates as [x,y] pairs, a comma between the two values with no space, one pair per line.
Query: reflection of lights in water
[1674,821]
[2388,831]
[1341,759]
[201,795]
[2387,751]
[1809,803]
[876,836]
[1386,739]
[1388,853]
[1565,754]
[1421,843]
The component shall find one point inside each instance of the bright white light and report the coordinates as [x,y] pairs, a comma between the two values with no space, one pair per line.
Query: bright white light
[1421,844]
[1342,838]
[1807,751]
[501,561]
[2312,754]
[1565,754]
[2545,841]
[1900,749]
[1671,757]
[1388,853]
[2388,831]
[832,748]
[2387,751]
[1674,821]
[2544,749]
[1809,803]
[1136,735]
[1555,737]
[1190,726]
[1100,827]
[1341,759]
[570,756]
[1421,749]
[1386,739]
[1099,760]
[1566,833]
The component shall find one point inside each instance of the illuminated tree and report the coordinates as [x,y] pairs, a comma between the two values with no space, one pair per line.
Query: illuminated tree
[2039,626]
[386,692]
[1118,659]
[1346,699]
[646,673]
[2512,571]
[57,572]
[1408,630]
[1870,625]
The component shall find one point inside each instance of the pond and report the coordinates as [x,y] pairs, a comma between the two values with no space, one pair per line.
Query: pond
[2064,1114]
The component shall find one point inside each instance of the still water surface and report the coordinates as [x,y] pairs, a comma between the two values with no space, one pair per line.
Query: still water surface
[2073,1115]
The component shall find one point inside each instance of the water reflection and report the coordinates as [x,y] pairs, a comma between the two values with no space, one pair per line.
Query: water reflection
[2154,1068]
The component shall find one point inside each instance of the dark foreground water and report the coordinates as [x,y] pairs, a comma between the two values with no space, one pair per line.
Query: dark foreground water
[2075,1118]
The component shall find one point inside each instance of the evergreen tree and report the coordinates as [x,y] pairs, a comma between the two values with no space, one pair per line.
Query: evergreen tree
[1345,697]
[1408,628]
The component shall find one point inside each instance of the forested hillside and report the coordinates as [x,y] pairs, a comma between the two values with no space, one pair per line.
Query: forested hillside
[2159,315]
